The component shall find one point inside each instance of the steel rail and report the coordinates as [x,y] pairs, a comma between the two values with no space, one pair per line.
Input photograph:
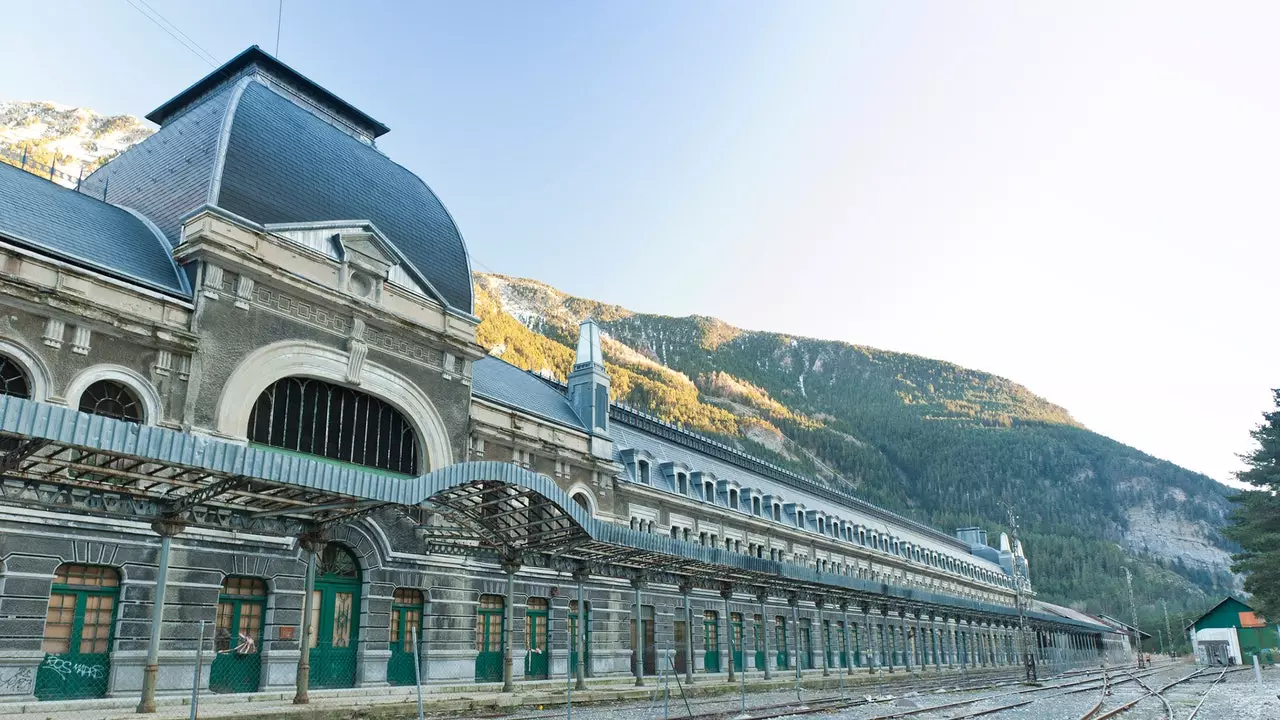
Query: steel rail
[1205,696]
[991,711]
[834,702]
[1168,709]
[1116,711]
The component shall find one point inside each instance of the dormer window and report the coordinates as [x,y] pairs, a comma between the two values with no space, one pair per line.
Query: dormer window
[755,506]
[709,491]
[682,483]
[777,512]
[642,471]
[733,499]
[822,527]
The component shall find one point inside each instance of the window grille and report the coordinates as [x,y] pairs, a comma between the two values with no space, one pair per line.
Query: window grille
[13,381]
[112,399]
[318,418]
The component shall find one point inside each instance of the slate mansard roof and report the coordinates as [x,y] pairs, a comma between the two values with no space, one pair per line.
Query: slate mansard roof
[505,383]
[259,140]
[499,381]
[46,217]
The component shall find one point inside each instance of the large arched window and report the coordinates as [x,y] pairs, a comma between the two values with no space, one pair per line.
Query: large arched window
[318,418]
[113,399]
[13,381]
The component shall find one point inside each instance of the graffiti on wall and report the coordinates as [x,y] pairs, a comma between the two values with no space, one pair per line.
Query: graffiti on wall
[17,680]
[65,668]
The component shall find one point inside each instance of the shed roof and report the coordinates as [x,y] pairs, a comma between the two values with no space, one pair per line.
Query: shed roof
[1220,603]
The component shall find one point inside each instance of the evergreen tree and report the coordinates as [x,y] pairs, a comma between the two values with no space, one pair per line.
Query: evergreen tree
[1256,520]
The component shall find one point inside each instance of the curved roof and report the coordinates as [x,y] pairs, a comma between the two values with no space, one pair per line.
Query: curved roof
[82,230]
[285,164]
[257,139]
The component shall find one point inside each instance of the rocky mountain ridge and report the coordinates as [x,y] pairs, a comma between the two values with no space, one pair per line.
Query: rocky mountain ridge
[72,140]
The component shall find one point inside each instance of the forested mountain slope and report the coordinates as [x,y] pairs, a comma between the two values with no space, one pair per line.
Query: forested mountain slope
[934,441]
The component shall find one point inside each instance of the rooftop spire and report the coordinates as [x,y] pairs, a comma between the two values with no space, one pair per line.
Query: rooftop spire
[589,387]
[588,345]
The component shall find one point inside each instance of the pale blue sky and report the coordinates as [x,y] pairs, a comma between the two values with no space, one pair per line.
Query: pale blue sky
[1078,196]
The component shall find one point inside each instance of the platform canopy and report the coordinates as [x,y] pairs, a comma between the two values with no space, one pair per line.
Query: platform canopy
[56,458]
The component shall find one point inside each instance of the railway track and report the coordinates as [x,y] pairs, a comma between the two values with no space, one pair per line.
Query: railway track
[1205,696]
[1159,693]
[830,705]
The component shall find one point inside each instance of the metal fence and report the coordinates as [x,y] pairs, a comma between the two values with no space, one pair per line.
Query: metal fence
[22,159]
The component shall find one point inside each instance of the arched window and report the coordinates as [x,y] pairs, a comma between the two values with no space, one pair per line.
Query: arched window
[13,381]
[582,501]
[318,418]
[113,399]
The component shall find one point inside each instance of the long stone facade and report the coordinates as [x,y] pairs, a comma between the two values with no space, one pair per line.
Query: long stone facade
[339,340]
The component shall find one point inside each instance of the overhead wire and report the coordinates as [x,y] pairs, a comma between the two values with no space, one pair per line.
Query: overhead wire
[173,31]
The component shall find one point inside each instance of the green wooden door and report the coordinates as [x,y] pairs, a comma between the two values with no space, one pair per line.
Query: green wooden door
[844,644]
[680,630]
[237,666]
[490,636]
[780,637]
[828,649]
[573,638]
[805,651]
[77,633]
[855,629]
[406,620]
[711,641]
[535,658]
[335,620]
[759,640]
[735,624]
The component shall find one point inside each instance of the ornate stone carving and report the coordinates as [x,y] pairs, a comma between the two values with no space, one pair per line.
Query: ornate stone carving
[212,281]
[164,363]
[357,350]
[54,329]
[244,291]
[80,339]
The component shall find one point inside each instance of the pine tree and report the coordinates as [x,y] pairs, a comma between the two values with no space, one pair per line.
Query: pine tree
[1256,520]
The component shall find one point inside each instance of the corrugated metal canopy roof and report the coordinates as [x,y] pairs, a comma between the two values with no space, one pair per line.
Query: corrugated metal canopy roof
[51,452]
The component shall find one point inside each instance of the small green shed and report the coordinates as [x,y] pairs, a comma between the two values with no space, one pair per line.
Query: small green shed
[1231,632]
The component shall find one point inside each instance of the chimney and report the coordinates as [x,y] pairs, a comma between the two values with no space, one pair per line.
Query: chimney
[589,388]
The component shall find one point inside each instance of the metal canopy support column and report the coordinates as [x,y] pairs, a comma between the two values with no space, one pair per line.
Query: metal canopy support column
[637,642]
[822,638]
[580,633]
[908,646]
[312,546]
[871,639]
[761,597]
[686,589]
[891,650]
[510,567]
[727,594]
[166,529]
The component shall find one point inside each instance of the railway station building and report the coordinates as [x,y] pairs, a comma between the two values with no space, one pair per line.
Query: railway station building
[240,386]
